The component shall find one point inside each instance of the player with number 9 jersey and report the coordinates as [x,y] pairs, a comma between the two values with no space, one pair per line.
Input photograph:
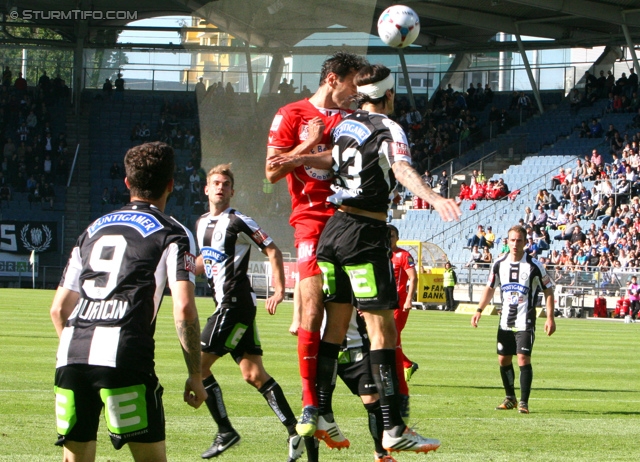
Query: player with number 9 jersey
[120,266]
[105,312]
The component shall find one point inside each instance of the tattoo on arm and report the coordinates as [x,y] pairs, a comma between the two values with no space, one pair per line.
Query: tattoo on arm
[189,335]
[414,182]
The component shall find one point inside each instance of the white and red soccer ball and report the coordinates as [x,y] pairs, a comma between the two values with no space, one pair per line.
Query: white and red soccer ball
[398,26]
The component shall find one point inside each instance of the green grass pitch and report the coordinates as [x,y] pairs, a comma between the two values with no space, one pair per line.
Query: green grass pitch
[584,404]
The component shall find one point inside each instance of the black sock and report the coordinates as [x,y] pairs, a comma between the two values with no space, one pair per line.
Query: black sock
[383,370]
[274,395]
[376,425]
[215,403]
[526,378]
[508,377]
[326,376]
[311,444]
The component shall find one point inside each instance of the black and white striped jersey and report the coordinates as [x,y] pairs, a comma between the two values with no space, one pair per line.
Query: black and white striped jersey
[366,145]
[520,283]
[120,266]
[356,336]
[225,245]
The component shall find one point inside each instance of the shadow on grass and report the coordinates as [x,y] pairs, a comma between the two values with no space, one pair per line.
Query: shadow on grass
[572,411]
[477,387]
[26,336]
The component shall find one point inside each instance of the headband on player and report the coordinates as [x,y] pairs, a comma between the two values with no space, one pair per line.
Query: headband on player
[378,89]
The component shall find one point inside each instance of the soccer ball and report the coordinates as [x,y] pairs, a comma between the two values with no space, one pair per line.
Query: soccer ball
[398,26]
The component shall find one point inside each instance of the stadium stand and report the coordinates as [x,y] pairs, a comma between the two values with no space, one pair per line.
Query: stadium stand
[33,166]
[166,113]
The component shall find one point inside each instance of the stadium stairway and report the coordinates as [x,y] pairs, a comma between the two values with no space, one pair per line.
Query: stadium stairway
[526,136]
[530,135]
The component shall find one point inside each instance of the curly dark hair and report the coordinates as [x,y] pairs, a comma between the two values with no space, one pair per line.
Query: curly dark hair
[149,169]
[341,64]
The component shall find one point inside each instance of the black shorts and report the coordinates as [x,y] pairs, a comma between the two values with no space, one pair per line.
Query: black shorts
[132,401]
[354,256]
[354,368]
[519,342]
[232,329]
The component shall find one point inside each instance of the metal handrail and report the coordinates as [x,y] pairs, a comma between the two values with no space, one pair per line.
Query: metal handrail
[494,209]
[73,165]
[507,145]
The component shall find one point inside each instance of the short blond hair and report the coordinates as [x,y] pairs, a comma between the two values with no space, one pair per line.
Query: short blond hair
[518,229]
[221,169]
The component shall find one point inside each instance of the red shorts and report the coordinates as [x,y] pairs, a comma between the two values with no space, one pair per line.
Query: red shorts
[307,261]
[306,236]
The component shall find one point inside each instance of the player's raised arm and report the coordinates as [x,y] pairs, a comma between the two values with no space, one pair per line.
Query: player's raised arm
[406,174]
[277,274]
[185,316]
[485,299]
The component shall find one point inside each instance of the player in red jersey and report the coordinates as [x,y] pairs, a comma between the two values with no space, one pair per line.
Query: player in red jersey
[404,272]
[299,128]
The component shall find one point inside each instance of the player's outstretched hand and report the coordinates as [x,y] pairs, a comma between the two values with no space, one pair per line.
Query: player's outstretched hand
[550,327]
[272,302]
[448,209]
[194,393]
[475,318]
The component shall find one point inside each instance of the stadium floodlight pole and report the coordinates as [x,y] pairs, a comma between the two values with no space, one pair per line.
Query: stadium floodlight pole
[631,47]
[527,66]
[73,165]
[252,92]
[407,82]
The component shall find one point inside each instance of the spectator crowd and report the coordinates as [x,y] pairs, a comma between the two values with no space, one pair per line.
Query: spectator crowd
[35,158]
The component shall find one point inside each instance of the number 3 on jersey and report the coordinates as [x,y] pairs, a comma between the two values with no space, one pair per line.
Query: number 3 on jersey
[106,257]
[353,159]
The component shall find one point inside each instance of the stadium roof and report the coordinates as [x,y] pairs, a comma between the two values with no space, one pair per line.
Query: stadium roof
[447,26]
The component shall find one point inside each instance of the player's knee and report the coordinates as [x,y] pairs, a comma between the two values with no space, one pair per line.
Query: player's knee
[369,399]
[250,378]
[312,315]
[255,378]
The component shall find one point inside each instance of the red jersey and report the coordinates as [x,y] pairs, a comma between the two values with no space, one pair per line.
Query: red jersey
[309,187]
[402,261]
